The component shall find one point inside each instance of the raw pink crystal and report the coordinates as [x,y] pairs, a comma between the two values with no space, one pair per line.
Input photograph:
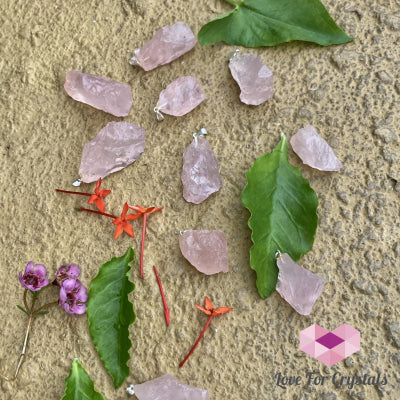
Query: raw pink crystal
[253,77]
[314,151]
[167,44]
[181,96]
[166,387]
[200,174]
[99,92]
[205,250]
[116,146]
[298,286]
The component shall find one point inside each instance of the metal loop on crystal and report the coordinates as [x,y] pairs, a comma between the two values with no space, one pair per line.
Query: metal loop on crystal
[202,131]
[159,116]
[130,390]
[278,254]
[233,54]
[77,182]
[134,61]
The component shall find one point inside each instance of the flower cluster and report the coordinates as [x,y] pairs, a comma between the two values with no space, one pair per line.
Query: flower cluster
[73,295]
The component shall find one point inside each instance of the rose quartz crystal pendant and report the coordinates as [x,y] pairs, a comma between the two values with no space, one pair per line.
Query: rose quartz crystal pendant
[298,286]
[200,171]
[116,146]
[253,77]
[314,151]
[166,387]
[102,93]
[180,97]
[207,251]
[167,44]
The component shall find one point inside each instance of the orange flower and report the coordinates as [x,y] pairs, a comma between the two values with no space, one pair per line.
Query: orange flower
[122,222]
[96,198]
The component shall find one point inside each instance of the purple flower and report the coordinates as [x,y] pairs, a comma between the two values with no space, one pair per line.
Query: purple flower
[66,272]
[34,277]
[73,296]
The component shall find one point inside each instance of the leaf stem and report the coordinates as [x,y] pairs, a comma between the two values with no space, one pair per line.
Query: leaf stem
[53,303]
[96,212]
[197,341]
[25,302]
[71,192]
[166,309]
[142,245]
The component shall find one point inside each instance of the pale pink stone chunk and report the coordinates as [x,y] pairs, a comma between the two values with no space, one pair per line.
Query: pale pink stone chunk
[116,146]
[200,172]
[314,151]
[167,44]
[253,77]
[207,251]
[181,96]
[166,387]
[102,93]
[298,286]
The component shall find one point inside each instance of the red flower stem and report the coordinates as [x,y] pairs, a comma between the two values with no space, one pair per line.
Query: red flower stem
[97,212]
[166,309]
[197,341]
[69,192]
[142,245]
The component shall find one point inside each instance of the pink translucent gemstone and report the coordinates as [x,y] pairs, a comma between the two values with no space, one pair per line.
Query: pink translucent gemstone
[200,171]
[181,96]
[207,251]
[102,93]
[253,77]
[167,44]
[314,151]
[166,387]
[116,146]
[298,286]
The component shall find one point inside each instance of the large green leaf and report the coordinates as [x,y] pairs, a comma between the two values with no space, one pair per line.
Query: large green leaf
[79,386]
[110,313]
[255,23]
[283,214]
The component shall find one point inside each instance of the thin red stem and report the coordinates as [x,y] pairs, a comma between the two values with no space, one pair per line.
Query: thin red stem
[197,341]
[69,192]
[97,212]
[166,309]
[142,245]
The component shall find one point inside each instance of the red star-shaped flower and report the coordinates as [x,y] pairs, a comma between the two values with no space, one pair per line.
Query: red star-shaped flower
[97,197]
[122,222]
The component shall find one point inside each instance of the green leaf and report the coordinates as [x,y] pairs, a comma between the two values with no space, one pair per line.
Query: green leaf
[41,313]
[22,309]
[110,313]
[283,211]
[79,386]
[255,23]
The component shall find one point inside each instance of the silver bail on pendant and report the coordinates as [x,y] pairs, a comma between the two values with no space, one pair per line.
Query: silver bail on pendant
[77,182]
[130,389]
[201,132]
[134,61]
[159,116]
[233,54]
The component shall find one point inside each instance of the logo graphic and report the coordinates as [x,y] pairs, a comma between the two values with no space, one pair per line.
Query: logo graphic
[330,347]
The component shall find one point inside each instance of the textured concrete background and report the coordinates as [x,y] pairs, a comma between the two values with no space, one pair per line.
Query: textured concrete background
[350,93]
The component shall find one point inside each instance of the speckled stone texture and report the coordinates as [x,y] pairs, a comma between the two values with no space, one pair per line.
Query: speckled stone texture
[167,44]
[350,92]
[115,147]
[206,250]
[99,92]
[166,387]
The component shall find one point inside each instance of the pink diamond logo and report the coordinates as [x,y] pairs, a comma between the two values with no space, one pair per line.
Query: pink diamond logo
[330,347]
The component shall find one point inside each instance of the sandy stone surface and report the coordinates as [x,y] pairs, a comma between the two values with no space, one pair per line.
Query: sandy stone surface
[350,93]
